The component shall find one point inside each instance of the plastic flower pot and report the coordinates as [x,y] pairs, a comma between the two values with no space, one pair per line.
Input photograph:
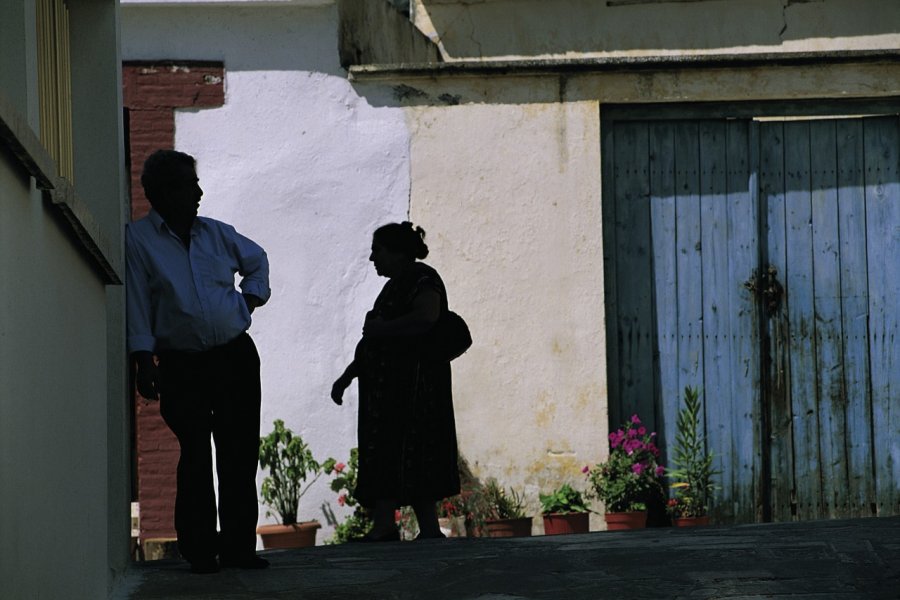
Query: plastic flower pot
[562,523]
[453,526]
[626,520]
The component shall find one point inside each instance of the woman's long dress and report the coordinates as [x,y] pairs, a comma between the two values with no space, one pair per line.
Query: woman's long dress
[407,432]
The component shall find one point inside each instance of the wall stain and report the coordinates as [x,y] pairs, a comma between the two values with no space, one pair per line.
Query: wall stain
[545,410]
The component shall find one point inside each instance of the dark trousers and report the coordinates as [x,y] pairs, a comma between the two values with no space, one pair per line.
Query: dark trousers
[215,394]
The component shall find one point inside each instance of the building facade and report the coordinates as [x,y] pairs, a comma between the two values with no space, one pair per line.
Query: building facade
[64,422]
[605,185]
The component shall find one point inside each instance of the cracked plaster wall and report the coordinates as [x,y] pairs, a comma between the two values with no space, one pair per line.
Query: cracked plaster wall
[512,193]
[511,29]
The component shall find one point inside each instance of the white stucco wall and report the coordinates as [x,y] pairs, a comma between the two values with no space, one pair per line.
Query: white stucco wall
[297,161]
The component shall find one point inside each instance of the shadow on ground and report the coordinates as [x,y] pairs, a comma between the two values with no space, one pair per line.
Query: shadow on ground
[848,559]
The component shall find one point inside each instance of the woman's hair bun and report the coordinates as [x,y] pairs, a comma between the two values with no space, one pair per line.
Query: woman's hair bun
[403,237]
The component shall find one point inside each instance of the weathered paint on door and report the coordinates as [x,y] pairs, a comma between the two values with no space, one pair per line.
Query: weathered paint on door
[760,261]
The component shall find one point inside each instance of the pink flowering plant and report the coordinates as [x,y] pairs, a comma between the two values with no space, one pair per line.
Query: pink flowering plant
[630,477]
[357,524]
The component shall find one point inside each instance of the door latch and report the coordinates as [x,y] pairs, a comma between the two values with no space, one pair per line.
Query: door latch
[767,289]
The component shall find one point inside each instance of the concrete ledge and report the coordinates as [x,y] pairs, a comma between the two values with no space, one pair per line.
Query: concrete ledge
[533,67]
[88,232]
[17,136]
[20,139]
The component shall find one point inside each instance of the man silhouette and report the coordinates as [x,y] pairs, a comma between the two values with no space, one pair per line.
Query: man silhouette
[187,333]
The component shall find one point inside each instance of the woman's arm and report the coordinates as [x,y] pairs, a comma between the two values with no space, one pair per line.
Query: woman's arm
[426,308]
[343,382]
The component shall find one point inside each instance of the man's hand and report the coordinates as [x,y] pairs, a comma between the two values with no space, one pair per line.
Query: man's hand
[147,377]
[252,302]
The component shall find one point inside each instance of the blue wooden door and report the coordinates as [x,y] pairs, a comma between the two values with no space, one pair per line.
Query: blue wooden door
[760,261]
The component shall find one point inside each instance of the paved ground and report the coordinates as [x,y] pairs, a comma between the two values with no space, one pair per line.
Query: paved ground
[853,559]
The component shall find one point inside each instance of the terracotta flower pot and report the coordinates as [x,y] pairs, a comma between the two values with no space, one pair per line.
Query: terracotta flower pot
[617,521]
[691,521]
[561,523]
[509,527]
[298,535]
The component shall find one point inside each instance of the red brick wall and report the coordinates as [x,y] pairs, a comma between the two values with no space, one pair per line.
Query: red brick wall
[152,92]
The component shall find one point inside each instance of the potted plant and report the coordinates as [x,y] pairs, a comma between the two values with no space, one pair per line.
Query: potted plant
[692,479]
[564,511]
[506,515]
[464,514]
[289,461]
[630,477]
[454,513]
[358,524]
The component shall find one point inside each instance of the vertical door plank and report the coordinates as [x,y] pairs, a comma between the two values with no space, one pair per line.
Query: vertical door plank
[662,215]
[772,195]
[855,315]
[882,141]
[798,283]
[610,286]
[634,277]
[687,224]
[828,373]
[715,280]
[743,325]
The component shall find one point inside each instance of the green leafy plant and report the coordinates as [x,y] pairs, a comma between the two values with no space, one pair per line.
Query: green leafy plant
[630,478]
[564,499]
[502,503]
[358,524]
[289,462]
[692,479]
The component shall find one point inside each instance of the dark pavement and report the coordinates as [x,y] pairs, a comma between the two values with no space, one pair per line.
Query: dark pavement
[849,559]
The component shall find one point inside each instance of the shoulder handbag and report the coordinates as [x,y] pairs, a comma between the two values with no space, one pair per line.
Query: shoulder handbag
[448,339]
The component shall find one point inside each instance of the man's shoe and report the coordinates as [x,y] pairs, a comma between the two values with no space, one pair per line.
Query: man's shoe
[204,566]
[248,562]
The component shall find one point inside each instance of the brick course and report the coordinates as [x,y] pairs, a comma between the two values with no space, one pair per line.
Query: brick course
[151,93]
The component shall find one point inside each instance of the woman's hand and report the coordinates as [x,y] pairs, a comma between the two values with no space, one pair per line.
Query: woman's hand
[337,390]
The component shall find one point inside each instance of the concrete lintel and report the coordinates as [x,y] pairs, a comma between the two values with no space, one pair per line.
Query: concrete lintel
[555,67]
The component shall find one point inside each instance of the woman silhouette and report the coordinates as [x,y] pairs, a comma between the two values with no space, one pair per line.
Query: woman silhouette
[407,434]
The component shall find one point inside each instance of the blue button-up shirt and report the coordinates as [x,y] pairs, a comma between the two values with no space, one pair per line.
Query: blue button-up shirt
[184,298]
